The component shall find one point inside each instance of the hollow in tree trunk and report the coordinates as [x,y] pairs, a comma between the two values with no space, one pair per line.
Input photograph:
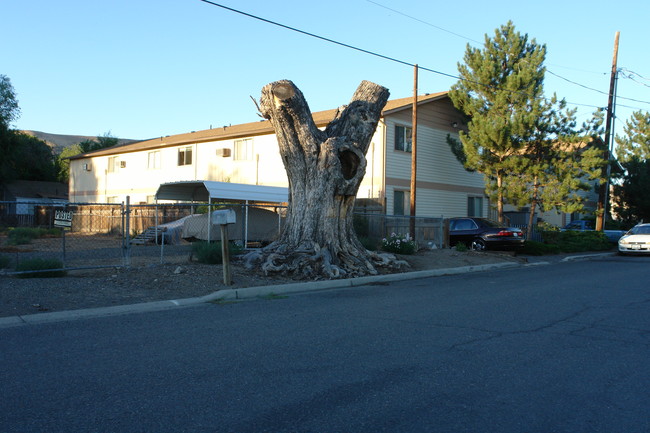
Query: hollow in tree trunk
[325,169]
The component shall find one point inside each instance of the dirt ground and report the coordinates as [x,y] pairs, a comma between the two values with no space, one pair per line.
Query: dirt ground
[119,286]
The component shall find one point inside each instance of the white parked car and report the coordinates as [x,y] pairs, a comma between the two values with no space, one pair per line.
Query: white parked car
[637,240]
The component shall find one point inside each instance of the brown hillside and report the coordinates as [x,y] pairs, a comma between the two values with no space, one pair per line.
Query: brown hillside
[59,141]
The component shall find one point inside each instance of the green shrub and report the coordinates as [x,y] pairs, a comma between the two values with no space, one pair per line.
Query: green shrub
[210,252]
[50,268]
[533,248]
[369,243]
[25,235]
[50,233]
[547,227]
[361,225]
[399,244]
[572,241]
[21,236]
[5,261]
[551,237]
[576,241]
[203,209]
[461,247]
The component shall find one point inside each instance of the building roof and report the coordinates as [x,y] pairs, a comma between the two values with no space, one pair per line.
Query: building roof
[205,190]
[36,190]
[321,118]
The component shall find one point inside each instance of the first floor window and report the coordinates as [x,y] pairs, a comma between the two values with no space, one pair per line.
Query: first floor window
[403,138]
[185,155]
[474,206]
[401,202]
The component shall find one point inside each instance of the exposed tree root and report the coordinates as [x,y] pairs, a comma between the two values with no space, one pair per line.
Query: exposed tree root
[319,263]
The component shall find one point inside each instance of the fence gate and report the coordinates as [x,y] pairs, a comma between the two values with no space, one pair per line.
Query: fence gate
[62,236]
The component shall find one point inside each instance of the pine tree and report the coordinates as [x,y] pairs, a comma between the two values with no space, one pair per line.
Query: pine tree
[555,164]
[500,90]
[636,142]
[633,152]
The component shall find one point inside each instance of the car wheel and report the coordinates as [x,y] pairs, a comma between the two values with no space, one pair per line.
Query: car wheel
[478,245]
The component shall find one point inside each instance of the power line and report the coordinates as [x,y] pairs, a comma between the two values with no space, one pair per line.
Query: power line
[576,83]
[339,43]
[601,92]
[578,69]
[422,21]
[631,74]
[392,59]
[372,53]
[308,33]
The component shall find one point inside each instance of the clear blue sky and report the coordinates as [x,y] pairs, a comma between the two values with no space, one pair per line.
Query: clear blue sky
[142,69]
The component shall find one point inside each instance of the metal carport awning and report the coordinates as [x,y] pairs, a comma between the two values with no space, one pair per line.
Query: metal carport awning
[207,190]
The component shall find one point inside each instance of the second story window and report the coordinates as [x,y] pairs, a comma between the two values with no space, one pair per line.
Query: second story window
[244,150]
[185,155]
[113,164]
[403,138]
[153,160]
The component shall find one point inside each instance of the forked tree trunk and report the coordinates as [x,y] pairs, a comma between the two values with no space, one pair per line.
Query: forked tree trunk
[325,169]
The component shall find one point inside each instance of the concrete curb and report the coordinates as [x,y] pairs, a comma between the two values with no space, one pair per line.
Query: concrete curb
[261,291]
[585,256]
[239,294]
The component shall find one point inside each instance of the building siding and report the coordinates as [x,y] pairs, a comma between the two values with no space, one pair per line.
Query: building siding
[443,184]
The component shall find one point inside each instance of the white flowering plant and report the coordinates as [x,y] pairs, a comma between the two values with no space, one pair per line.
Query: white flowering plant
[399,244]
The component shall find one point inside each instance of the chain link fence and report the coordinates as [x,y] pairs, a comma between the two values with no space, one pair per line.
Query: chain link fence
[60,236]
[372,228]
[90,235]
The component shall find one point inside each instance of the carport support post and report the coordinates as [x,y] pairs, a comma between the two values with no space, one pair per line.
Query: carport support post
[209,220]
[63,242]
[446,233]
[155,230]
[225,254]
[127,229]
[246,226]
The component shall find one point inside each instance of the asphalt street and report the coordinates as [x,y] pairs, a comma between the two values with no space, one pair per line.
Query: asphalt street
[555,348]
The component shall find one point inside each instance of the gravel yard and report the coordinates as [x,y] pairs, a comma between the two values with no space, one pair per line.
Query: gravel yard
[178,278]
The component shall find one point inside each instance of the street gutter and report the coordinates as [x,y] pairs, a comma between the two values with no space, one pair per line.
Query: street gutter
[240,294]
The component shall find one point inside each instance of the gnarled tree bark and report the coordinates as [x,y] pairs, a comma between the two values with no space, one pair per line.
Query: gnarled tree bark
[325,169]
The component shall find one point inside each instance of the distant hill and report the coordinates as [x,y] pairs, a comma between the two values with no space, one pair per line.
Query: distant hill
[58,141]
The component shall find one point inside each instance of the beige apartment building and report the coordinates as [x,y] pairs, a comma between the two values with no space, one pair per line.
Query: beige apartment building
[248,154]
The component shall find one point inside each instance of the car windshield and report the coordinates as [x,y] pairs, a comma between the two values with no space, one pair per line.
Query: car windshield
[640,230]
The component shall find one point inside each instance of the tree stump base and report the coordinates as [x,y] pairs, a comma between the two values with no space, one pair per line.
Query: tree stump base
[325,169]
[317,263]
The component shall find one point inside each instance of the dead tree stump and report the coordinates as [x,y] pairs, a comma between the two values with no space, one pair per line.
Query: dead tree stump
[325,169]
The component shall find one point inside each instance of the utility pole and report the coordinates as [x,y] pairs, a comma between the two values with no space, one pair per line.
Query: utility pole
[602,190]
[414,153]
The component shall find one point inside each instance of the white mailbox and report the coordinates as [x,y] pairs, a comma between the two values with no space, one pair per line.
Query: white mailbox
[224,216]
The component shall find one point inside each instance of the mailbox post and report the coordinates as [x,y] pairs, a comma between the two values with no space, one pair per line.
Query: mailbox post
[223,218]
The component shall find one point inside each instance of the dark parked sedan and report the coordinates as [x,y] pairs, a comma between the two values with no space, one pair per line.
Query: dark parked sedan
[481,234]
